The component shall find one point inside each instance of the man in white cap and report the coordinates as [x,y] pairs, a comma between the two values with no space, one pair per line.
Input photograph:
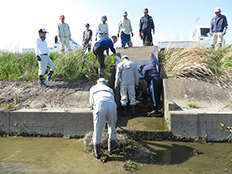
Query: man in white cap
[146,24]
[128,78]
[105,109]
[43,58]
[218,27]
[102,30]
[64,34]
[124,30]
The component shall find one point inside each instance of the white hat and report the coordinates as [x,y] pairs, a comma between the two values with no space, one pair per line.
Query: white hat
[124,13]
[101,80]
[125,56]
[217,10]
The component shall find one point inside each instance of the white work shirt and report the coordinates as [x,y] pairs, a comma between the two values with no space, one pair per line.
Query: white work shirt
[124,25]
[102,29]
[64,30]
[41,47]
[100,92]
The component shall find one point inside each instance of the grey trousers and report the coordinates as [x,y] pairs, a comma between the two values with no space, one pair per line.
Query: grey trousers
[45,61]
[104,111]
[127,91]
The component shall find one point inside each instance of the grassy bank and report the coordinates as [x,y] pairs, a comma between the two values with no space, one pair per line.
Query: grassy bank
[198,62]
[70,65]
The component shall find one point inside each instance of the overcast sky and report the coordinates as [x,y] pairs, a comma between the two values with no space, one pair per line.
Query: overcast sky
[174,19]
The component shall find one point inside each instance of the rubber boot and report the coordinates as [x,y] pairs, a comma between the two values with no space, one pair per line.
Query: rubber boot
[123,111]
[133,110]
[111,145]
[41,82]
[49,76]
[100,73]
[96,151]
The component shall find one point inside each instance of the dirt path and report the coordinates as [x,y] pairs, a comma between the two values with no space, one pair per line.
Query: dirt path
[60,94]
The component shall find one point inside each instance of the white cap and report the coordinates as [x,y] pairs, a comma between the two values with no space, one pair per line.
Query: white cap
[124,13]
[125,56]
[101,80]
[217,10]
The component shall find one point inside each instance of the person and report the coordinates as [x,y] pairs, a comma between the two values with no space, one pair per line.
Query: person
[125,29]
[64,34]
[102,30]
[87,37]
[128,77]
[146,24]
[218,27]
[98,49]
[43,58]
[104,110]
[152,80]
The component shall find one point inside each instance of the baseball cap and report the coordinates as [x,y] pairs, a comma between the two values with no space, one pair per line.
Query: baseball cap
[87,24]
[124,13]
[104,18]
[217,10]
[145,10]
[125,56]
[42,30]
[101,80]
[62,17]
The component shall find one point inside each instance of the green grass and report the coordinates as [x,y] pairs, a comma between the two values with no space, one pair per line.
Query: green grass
[70,65]
[193,105]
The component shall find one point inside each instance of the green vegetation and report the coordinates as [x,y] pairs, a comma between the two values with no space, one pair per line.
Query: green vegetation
[197,62]
[131,165]
[192,105]
[70,65]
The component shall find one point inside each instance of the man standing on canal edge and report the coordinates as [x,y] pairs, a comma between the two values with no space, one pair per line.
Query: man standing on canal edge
[105,109]
[64,34]
[218,27]
[146,24]
[87,38]
[43,58]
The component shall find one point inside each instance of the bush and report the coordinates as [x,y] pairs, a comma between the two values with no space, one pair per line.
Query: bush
[70,65]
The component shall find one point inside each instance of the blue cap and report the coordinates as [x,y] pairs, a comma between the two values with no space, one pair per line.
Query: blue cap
[104,18]
[42,30]
[87,24]
[142,66]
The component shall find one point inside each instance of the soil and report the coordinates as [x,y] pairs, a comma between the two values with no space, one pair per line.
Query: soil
[59,94]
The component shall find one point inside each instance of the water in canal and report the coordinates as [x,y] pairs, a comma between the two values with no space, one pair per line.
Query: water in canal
[58,155]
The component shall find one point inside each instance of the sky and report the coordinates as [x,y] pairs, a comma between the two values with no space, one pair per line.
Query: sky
[174,19]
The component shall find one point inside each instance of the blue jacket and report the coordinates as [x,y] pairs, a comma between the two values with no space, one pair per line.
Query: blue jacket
[106,43]
[146,24]
[218,24]
[150,72]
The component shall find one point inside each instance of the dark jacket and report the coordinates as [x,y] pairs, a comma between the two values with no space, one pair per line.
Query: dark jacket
[149,72]
[218,24]
[146,24]
[106,43]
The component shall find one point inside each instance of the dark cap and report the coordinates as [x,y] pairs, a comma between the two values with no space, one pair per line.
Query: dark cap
[145,10]
[42,30]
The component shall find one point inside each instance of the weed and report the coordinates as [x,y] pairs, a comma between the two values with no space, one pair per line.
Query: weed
[17,98]
[192,105]
[131,165]
[8,106]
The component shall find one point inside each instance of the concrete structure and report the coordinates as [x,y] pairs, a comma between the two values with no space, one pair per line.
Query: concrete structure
[213,107]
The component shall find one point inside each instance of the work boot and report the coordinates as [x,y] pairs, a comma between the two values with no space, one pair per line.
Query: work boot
[133,110]
[123,111]
[49,76]
[100,73]
[41,82]
[152,112]
[96,151]
[111,145]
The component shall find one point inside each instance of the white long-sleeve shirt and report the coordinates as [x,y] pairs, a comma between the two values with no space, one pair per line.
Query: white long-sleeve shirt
[100,92]
[124,25]
[41,47]
[64,30]
[102,29]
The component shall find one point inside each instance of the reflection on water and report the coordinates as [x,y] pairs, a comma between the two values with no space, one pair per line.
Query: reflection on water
[57,155]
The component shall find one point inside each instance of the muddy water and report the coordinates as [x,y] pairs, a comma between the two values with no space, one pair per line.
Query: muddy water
[57,155]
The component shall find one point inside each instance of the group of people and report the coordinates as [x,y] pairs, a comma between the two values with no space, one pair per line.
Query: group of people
[101,96]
